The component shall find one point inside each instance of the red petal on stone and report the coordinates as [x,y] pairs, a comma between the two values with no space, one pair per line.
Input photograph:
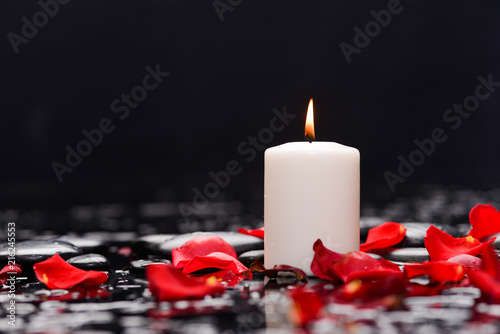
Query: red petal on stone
[273,272]
[306,307]
[369,292]
[9,271]
[259,233]
[490,262]
[200,246]
[359,265]
[485,221]
[323,259]
[468,261]
[438,271]
[56,273]
[383,236]
[414,290]
[167,283]
[215,260]
[442,246]
[488,285]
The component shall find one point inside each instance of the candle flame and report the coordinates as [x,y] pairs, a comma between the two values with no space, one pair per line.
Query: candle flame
[310,122]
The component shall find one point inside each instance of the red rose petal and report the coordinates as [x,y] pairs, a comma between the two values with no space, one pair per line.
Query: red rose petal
[167,283]
[386,235]
[200,246]
[442,246]
[273,272]
[490,262]
[468,261]
[59,274]
[369,292]
[485,221]
[488,285]
[9,270]
[359,265]
[226,276]
[306,306]
[323,259]
[438,271]
[415,290]
[259,233]
[215,260]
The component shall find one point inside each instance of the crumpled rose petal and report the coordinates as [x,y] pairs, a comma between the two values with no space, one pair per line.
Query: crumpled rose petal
[490,262]
[416,290]
[488,285]
[306,307]
[442,246]
[259,233]
[323,259]
[56,273]
[226,276]
[200,246]
[273,272]
[485,221]
[438,271]
[167,283]
[385,235]
[6,271]
[215,260]
[468,261]
[385,292]
[359,265]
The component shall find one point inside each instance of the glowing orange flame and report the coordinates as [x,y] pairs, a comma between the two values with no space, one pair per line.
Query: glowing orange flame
[310,122]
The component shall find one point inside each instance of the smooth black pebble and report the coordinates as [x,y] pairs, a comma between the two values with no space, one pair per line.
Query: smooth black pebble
[90,262]
[248,258]
[86,244]
[416,254]
[33,251]
[138,267]
[150,244]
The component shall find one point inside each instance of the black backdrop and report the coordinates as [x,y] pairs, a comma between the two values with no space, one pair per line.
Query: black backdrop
[225,78]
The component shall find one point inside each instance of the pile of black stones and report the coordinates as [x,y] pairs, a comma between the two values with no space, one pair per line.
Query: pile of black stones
[122,241]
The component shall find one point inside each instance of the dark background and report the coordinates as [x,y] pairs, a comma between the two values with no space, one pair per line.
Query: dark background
[225,79]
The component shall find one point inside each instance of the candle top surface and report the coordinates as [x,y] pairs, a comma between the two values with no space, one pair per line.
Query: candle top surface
[308,146]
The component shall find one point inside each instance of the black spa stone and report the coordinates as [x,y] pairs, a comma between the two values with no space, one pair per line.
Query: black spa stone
[30,252]
[87,244]
[415,233]
[90,262]
[150,244]
[241,242]
[416,254]
[249,257]
[138,267]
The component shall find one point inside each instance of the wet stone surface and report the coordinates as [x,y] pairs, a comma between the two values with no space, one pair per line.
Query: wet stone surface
[90,262]
[249,257]
[403,254]
[30,252]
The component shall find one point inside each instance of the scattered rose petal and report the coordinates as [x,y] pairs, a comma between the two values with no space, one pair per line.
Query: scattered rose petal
[273,272]
[485,221]
[259,233]
[488,285]
[323,259]
[215,260]
[417,290]
[468,261]
[56,273]
[200,246]
[167,283]
[490,262]
[386,292]
[438,271]
[306,307]
[8,271]
[359,265]
[386,235]
[442,246]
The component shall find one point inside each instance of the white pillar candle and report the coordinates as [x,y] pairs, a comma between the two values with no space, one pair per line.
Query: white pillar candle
[311,191]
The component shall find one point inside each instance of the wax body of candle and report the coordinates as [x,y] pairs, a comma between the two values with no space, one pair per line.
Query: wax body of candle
[311,191]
